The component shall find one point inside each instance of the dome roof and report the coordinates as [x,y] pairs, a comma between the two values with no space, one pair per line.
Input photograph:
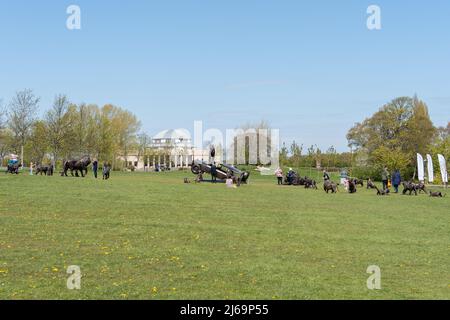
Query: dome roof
[181,134]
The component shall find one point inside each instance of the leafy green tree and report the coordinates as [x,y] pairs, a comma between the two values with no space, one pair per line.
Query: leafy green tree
[392,159]
[441,145]
[59,126]
[125,125]
[402,126]
[105,147]
[284,154]
[296,154]
[36,147]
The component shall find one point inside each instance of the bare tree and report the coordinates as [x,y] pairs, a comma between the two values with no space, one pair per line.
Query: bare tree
[57,123]
[143,141]
[21,116]
[3,134]
[2,116]
[444,132]
[252,141]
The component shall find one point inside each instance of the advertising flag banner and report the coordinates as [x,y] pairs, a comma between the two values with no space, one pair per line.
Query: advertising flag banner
[443,166]
[420,168]
[430,169]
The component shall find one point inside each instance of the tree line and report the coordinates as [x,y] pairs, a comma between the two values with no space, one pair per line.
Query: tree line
[66,130]
[391,136]
[394,135]
[298,156]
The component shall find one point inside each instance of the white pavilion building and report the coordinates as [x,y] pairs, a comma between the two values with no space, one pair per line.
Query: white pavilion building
[170,149]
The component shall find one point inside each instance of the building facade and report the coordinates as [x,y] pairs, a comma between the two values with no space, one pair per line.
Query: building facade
[172,149]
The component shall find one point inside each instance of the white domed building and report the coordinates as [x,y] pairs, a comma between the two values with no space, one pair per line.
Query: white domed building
[171,148]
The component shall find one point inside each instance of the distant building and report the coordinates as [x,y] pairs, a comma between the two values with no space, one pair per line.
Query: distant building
[169,148]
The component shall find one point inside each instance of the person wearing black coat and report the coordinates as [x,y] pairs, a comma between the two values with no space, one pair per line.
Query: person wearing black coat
[396,180]
[95,168]
[326,176]
[214,173]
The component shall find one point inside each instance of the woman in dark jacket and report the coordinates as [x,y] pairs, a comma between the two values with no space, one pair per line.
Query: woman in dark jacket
[396,180]
[95,168]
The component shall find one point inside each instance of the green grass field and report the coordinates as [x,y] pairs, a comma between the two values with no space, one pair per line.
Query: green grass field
[149,236]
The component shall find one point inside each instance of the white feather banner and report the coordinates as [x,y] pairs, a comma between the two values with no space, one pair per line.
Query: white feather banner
[420,168]
[443,166]
[430,169]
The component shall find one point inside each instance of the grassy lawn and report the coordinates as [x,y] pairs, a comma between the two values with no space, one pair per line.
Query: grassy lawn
[149,236]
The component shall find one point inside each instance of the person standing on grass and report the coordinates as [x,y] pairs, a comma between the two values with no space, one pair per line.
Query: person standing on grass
[95,167]
[396,180]
[279,175]
[290,176]
[385,178]
[326,176]
[214,173]
[344,176]
[229,183]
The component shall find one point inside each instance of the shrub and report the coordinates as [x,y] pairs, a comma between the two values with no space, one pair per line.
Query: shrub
[366,172]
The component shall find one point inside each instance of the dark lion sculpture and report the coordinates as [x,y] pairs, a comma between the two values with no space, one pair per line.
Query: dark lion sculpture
[436,194]
[357,181]
[330,186]
[351,186]
[370,184]
[421,187]
[310,183]
[385,192]
[409,187]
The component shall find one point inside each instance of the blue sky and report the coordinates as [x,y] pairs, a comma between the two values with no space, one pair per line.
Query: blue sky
[300,65]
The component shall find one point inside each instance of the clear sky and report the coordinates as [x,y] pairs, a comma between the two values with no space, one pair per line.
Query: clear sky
[310,68]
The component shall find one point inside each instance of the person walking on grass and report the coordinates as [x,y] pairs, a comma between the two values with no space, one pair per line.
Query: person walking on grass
[396,180]
[385,178]
[279,175]
[95,168]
